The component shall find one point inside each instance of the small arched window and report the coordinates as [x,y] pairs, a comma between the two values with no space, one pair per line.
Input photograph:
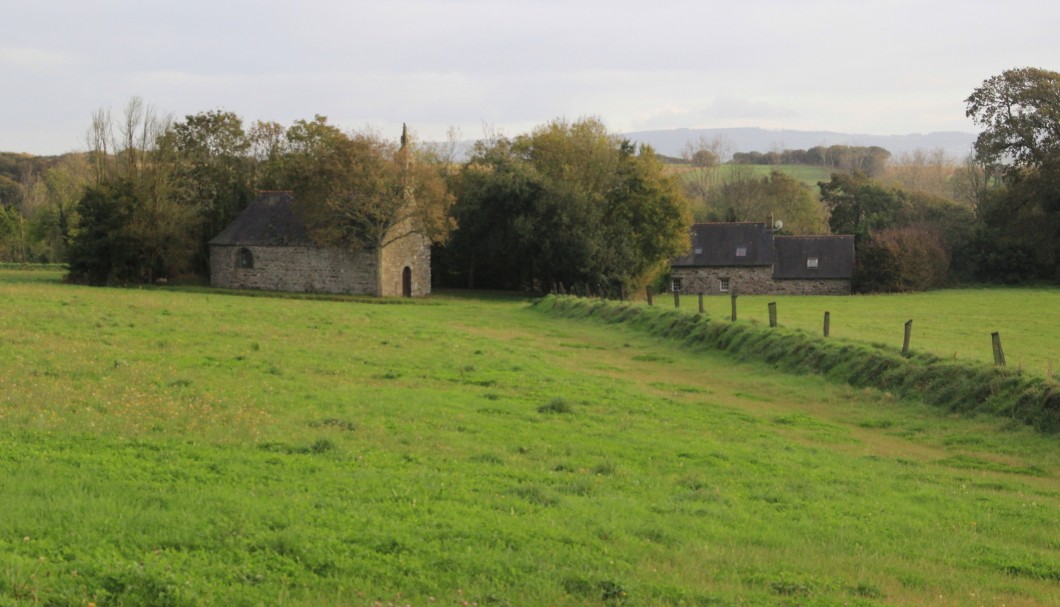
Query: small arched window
[244,259]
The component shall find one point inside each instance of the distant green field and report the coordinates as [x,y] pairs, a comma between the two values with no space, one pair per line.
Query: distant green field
[807,174]
[160,447]
[951,323]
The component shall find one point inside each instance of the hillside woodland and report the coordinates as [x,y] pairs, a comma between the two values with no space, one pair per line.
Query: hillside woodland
[569,204]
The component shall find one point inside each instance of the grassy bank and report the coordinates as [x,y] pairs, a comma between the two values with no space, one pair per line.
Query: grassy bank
[956,386]
[160,447]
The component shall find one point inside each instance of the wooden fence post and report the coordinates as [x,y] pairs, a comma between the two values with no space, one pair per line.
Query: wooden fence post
[677,298]
[700,303]
[908,334]
[827,322]
[999,354]
[734,307]
[772,314]
[648,291]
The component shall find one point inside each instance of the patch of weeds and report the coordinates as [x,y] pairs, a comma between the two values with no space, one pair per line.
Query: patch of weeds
[556,405]
[255,346]
[655,535]
[487,458]
[791,588]
[491,396]
[389,375]
[321,445]
[868,591]
[613,593]
[494,411]
[965,462]
[535,495]
[334,422]
[579,346]
[581,487]
[653,358]
[604,469]
[578,586]
[754,397]
[274,370]
[692,483]
[876,424]
[180,383]
[561,467]
[318,447]
[793,419]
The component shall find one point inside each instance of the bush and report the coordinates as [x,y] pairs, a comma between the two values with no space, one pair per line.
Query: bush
[556,405]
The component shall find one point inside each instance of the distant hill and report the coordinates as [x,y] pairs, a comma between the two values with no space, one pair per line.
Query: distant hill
[672,142]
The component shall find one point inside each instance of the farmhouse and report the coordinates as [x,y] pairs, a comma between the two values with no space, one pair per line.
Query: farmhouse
[268,247]
[748,258]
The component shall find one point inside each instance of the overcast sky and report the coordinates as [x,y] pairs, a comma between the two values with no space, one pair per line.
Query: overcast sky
[884,67]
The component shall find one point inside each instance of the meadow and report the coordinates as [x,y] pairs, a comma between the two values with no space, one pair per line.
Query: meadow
[169,447]
[953,323]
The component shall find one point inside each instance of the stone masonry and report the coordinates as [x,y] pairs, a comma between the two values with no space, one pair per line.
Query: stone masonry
[303,269]
[754,280]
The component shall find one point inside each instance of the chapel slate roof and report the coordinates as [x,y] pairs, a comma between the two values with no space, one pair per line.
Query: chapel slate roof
[717,244]
[834,254]
[269,220]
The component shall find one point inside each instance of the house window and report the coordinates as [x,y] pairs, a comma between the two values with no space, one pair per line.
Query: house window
[723,285]
[244,259]
[741,251]
[675,284]
[811,263]
[699,251]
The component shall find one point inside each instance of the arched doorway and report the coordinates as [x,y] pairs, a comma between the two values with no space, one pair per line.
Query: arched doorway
[406,282]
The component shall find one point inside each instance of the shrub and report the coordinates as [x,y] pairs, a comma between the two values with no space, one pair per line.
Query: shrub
[556,405]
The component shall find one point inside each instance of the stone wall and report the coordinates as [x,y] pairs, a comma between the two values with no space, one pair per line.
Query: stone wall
[742,280]
[805,286]
[298,269]
[753,280]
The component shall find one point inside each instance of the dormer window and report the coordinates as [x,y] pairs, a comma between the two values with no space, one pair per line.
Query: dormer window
[811,263]
[699,251]
[741,251]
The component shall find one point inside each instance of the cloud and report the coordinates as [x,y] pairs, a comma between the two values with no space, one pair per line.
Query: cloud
[32,59]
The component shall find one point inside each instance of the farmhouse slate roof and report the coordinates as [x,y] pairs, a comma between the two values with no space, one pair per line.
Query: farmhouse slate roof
[834,256]
[729,244]
[269,220]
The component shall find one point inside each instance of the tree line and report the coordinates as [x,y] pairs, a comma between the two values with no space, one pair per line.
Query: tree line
[568,204]
[870,160]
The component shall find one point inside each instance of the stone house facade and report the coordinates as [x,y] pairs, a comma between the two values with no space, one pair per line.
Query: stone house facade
[747,258]
[268,247]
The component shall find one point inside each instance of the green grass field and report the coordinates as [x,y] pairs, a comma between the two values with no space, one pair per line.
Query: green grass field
[160,447]
[951,324]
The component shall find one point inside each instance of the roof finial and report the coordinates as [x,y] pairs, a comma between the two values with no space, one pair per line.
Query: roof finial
[404,135]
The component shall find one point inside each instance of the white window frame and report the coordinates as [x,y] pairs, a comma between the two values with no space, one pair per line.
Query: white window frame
[675,284]
[741,251]
[724,284]
[812,263]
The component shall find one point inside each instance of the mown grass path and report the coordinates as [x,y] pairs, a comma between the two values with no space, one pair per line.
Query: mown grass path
[163,447]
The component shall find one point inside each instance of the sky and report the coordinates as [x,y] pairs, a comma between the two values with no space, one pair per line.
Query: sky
[881,67]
